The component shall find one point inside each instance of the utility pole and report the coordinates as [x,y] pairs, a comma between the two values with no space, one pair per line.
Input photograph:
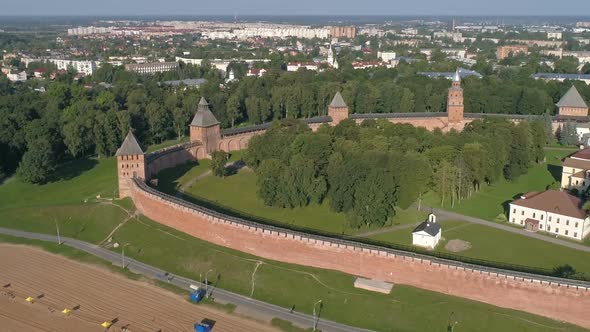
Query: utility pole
[316,318]
[207,283]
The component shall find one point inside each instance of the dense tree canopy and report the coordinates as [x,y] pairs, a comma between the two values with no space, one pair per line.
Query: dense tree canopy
[92,121]
[368,170]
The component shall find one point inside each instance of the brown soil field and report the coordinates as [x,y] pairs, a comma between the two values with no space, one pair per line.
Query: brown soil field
[98,295]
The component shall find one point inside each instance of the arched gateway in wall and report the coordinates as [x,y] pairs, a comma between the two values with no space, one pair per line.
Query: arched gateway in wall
[547,296]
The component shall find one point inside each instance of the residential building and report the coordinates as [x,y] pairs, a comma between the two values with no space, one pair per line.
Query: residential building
[456,37]
[554,35]
[343,32]
[575,171]
[17,77]
[295,66]
[427,234]
[259,72]
[8,69]
[91,30]
[386,56]
[370,64]
[562,77]
[504,51]
[39,72]
[189,61]
[191,83]
[572,104]
[463,73]
[152,68]
[88,67]
[552,211]
[540,43]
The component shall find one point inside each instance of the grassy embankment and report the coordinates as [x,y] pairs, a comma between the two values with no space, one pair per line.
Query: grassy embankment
[72,203]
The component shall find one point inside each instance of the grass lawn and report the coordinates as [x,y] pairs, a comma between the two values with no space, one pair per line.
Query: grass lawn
[496,245]
[491,200]
[167,143]
[406,309]
[70,202]
[237,194]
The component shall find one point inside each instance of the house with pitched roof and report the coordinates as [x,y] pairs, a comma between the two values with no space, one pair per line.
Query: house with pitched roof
[427,234]
[575,173]
[552,211]
[572,104]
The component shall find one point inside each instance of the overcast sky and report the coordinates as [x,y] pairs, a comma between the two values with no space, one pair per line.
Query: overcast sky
[295,7]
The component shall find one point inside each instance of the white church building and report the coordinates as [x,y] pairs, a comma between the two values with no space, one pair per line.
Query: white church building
[427,234]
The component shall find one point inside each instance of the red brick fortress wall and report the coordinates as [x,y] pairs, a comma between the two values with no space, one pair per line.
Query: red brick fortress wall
[529,293]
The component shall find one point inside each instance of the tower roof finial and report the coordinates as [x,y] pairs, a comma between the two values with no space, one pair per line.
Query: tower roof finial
[204,117]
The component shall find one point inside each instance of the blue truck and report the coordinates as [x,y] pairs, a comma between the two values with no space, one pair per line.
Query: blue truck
[197,293]
[202,327]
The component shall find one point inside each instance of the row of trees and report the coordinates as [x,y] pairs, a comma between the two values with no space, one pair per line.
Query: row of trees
[84,121]
[367,171]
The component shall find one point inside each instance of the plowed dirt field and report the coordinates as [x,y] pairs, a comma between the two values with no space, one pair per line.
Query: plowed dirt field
[94,295]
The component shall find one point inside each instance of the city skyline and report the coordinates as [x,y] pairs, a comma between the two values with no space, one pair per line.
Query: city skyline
[303,7]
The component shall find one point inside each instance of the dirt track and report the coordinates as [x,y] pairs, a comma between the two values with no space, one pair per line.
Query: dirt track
[101,296]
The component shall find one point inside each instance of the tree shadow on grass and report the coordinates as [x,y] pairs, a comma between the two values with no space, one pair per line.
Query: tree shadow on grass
[555,172]
[234,168]
[168,178]
[72,169]
[506,204]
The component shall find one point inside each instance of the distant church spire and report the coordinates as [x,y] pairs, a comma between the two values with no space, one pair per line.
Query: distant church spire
[457,77]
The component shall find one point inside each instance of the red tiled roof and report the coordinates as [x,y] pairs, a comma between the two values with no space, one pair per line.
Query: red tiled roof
[582,154]
[532,221]
[576,163]
[553,201]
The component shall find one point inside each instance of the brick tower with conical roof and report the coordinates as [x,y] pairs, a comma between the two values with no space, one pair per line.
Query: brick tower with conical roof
[205,128]
[572,104]
[338,110]
[130,164]
[455,106]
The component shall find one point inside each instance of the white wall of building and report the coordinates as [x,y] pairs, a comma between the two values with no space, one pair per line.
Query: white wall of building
[551,223]
[425,240]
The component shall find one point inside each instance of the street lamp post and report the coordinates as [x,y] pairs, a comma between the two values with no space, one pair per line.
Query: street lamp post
[316,318]
[58,237]
[450,323]
[123,255]
[207,283]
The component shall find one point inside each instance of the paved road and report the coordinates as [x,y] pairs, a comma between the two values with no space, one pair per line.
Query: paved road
[251,305]
[442,214]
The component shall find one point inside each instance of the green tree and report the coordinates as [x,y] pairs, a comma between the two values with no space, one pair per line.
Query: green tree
[38,163]
[218,161]
[269,175]
[374,199]
[233,109]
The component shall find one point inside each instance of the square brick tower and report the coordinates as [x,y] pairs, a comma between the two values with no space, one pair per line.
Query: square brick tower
[455,105]
[130,164]
[205,127]
[338,110]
